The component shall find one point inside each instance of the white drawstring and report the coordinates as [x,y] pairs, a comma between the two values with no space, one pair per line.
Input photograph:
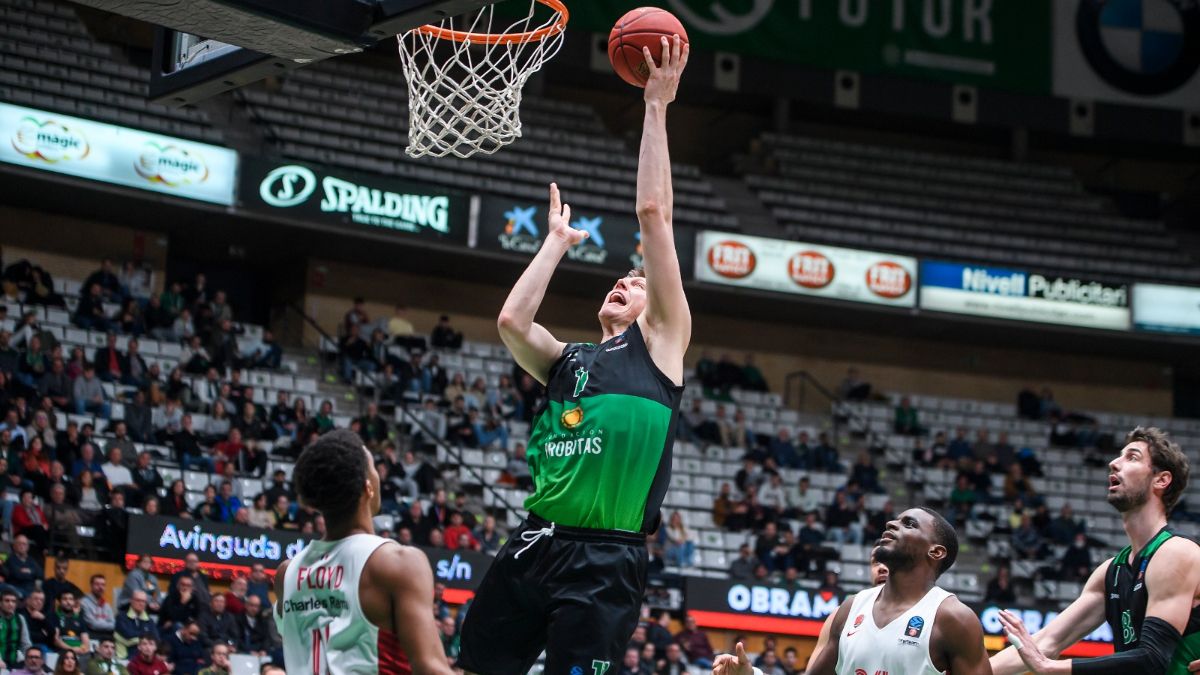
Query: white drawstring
[532,537]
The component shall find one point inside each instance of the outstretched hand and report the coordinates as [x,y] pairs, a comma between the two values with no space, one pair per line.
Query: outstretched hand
[729,664]
[560,220]
[1020,638]
[664,79]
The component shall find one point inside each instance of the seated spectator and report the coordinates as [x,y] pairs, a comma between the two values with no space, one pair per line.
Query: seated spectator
[99,615]
[455,530]
[29,520]
[675,663]
[40,623]
[932,455]
[119,476]
[907,420]
[134,624]
[1016,486]
[257,630]
[59,584]
[962,500]
[219,626]
[235,597]
[285,518]
[999,589]
[750,475]
[738,434]
[1077,561]
[21,571]
[56,384]
[208,509]
[810,553]
[259,585]
[1047,405]
[1063,529]
[229,450]
[854,388]
[824,455]
[743,566]
[772,548]
[72,633]
[842,520]
[110,362]
[631,665]
[723,505]
[104,661]
[33,664]
[960,450]
[14,633]
[1027,542]
[146,478]
[147,661]
[444,336]
[801,498]
[753,380]
[784,451]
[354,354]
[219,660]
[866,474]
[695,643]
[88,394]
[772,495]
[186,648]
[679,542]
[181,607]
[195,358]
[92,493]
[89,313]
[142,578]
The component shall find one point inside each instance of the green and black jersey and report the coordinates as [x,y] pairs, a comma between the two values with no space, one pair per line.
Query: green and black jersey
[600,448]
[1125,603]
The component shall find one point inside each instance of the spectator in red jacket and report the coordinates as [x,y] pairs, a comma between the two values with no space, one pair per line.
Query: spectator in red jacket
[695,644]
[147,661]
[29,520]
[229,450]
[456,530]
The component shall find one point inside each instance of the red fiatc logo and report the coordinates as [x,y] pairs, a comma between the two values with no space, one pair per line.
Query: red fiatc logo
[732,259]
[811,269]
[888,280]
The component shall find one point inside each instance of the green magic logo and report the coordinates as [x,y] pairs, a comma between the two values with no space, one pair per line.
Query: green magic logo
[581,378]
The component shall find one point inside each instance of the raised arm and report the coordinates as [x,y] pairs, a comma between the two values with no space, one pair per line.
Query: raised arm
[1079,619]
[533,347]
[667,318]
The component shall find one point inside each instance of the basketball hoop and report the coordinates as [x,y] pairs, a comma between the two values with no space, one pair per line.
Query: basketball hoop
[465,79]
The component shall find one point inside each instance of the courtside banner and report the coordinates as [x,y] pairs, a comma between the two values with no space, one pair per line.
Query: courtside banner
[614,241]
[806,269]
[1097,643]
[348,199]
[107,153]
[757,607]
[1168,309]
[1019,295]
[223,550]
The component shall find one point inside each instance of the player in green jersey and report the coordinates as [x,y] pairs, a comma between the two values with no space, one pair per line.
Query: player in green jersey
[1153,609]
[570,579]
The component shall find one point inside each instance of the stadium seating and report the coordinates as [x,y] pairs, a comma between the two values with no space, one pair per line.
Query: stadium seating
[959,208]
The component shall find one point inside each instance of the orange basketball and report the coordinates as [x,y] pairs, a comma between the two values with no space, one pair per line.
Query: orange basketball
[641,27]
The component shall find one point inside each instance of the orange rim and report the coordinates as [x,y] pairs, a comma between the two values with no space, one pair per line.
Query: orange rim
[504,38]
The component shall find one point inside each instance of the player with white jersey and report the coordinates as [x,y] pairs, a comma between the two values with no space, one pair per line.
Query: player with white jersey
[907,625]
[353,603]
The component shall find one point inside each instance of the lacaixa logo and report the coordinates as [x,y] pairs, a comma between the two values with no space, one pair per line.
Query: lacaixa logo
[888,279]
[49,140]
[732,259]
[170,165]
[811,269]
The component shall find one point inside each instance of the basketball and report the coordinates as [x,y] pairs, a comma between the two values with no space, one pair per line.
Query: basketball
[641,27]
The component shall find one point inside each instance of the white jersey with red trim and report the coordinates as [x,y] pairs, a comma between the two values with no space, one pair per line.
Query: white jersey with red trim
[899,648]
[322,624]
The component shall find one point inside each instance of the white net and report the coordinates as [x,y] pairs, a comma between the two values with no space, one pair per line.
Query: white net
[465,77]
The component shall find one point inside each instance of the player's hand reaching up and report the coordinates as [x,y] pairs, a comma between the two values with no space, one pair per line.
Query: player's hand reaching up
[729,664]
[1014,628]
[560,220]
[664,79]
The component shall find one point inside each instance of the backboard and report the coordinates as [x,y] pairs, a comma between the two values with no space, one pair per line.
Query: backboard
[205,47]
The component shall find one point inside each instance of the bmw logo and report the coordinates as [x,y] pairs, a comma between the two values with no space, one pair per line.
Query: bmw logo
[1143,47]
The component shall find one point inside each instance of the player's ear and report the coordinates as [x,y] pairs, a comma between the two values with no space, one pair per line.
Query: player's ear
[1162,480]
[938,552]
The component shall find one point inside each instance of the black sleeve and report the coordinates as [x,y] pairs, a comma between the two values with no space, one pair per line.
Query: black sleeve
[1151,657]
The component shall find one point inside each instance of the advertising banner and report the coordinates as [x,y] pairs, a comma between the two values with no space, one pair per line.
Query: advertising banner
[111,154]
[1169,309]
[1023,296]
[353,200]
[980,42]
[223,550]
[1140,52]
[1097,643]
[806,269]
[749,606]
[614,242]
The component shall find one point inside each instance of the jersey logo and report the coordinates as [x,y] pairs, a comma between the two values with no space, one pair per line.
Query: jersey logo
[858,620]
[572,418]
[1127,631]
[915,626]
[581,378]
[599,667]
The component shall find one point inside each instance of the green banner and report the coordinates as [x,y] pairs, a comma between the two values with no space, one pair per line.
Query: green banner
[991,43]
